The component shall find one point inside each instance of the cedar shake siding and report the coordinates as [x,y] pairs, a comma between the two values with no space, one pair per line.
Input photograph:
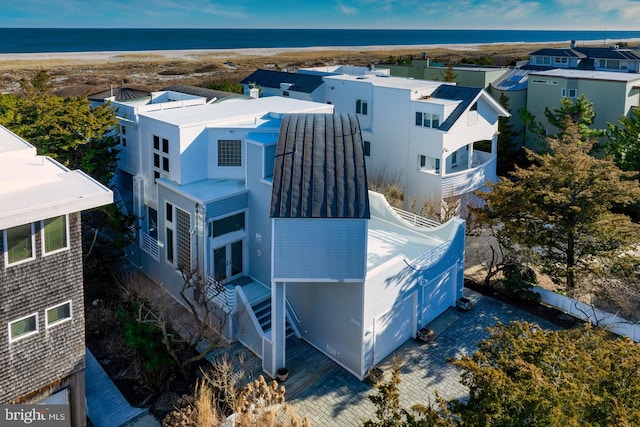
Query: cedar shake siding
[53,358]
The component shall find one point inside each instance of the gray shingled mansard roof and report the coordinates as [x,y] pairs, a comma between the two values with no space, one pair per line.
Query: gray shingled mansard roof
[561,52]
[319,169]
[305,83]
[210,94]
[466,95]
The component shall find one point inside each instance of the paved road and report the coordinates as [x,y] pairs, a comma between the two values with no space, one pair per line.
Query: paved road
[339,399]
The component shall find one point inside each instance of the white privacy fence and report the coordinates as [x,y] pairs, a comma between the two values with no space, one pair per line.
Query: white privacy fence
[586,312]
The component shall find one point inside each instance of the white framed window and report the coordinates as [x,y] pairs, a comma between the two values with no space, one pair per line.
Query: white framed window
[428,164]
[23,327]
[427,120]
[160,157]
[55,235]
[543,60]
[560,60]
[454,158]
[362,107]
[19,244]
[58,314]
[229,152]
[573,93]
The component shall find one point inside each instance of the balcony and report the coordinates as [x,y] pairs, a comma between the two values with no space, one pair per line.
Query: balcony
[466,180]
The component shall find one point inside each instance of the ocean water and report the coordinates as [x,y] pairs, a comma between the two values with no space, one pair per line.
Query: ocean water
[33,40]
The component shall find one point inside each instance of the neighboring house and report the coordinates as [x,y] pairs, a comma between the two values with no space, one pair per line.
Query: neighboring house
[613,94]
[268,198]
[465,75]
[42,349]
[281,83]
[436,140]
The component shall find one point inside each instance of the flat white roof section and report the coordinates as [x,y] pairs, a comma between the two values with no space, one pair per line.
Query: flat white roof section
[37,187]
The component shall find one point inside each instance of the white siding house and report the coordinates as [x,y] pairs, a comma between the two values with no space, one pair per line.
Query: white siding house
[332,263]
[419,134]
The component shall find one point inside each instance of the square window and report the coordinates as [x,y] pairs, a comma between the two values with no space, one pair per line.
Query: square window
[19,244]
[23,327]
[229,152]
[435,121]
[54,232]
[573,93]
[361,106]
[58,314]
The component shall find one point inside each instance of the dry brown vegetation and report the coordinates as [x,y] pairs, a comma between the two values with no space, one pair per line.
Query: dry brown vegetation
[152,70]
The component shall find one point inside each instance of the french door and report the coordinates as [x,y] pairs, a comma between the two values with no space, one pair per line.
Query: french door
[227,262]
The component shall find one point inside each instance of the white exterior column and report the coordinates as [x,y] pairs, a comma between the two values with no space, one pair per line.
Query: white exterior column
[278,327]
[470,156]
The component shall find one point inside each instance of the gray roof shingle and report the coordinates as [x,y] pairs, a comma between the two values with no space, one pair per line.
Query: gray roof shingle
[305,83]
[455,93]
[319,169]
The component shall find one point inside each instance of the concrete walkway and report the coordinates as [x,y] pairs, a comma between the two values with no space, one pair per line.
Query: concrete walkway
[106,407]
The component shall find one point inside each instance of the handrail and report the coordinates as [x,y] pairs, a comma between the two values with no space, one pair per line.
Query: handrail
[293,312]
[414,219]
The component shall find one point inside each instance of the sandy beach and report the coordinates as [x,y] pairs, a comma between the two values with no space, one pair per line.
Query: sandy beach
[81,73]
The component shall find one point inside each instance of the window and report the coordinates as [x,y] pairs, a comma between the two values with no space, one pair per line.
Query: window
[123,139]
[427,163]
[183,238]
[285,93]
[58,314]
[427,120]
[573,93]
[367,148]
[169,246]
[19,244]
[23,327]
[229,152]
[361,107]
[152,222]
[454,158]
[169,212]
[543,60]
[54,234]
[559,60]
[160,156]
[227,225]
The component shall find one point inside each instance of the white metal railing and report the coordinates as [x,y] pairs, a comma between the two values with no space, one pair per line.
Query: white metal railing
[222,295]
[150,245]
[415,220]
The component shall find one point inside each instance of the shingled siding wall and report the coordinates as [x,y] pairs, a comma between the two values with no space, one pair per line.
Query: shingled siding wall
[53,358]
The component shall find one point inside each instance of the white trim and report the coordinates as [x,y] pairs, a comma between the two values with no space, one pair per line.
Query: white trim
[6,249]
[43,241]
[57,322]
[28,334]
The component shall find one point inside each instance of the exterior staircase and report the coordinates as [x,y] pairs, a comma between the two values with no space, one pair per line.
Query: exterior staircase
[262,310]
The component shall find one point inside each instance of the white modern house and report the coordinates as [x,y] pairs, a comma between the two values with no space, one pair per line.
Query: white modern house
[436,140]
[268,198]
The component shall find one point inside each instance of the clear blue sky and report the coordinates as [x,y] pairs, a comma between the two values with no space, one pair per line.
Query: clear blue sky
[410,14]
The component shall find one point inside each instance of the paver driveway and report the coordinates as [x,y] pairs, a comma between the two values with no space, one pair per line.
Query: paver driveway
[337,398]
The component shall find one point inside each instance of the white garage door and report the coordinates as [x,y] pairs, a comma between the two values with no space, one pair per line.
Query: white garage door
[437,296]
[392,329]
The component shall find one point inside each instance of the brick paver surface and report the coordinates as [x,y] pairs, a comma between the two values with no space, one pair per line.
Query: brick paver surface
[339,399]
